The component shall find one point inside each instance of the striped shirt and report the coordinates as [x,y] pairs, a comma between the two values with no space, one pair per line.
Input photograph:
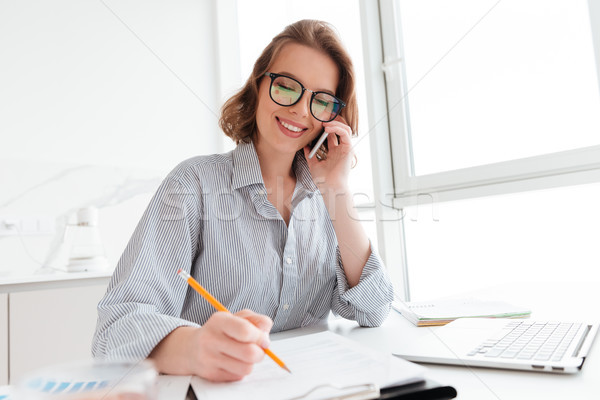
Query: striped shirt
[211,217]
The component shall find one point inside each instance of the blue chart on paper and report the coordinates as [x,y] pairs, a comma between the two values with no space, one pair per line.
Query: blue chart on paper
[55,387]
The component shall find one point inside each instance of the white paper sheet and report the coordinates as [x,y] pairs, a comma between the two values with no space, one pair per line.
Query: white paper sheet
[317,359]
[172,387]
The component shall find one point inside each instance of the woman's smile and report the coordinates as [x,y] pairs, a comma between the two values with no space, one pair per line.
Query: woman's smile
[290,128]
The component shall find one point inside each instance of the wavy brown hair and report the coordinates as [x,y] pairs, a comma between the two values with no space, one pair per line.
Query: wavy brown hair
[238,114]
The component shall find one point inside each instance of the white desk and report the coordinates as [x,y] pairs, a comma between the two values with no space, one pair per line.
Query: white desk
[494,384]
[483,383]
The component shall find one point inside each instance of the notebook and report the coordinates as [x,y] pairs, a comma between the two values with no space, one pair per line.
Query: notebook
[443,311]
[548,346]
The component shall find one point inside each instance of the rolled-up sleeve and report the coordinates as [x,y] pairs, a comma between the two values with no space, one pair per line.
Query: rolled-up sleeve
[369,302]
[145,297]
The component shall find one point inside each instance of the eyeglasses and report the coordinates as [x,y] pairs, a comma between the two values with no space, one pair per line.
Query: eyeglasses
[287,91]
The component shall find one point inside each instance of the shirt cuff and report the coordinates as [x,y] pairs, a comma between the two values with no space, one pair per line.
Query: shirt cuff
[135,336]
[372,297]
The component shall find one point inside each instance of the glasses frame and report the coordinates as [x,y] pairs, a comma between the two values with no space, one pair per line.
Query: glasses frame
[274,76]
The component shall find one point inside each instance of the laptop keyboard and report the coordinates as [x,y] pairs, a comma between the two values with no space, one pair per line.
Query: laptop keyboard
[530,340]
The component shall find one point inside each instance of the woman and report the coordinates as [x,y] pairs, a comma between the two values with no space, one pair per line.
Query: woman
[267,230]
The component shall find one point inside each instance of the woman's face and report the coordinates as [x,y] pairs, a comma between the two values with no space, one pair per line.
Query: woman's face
[288,129]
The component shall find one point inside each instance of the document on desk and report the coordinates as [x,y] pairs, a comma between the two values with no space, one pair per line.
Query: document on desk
[322,361]
[171,386]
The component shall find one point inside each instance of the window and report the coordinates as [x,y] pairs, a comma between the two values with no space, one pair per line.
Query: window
[480,93]
[540,236]
[493,116]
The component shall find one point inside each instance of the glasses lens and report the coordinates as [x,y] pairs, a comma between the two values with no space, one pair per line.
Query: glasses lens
[325,107]
[285,91]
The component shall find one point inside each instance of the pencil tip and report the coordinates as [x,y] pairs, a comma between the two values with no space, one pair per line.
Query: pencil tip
[287,369]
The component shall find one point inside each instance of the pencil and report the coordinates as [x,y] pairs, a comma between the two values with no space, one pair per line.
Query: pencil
[220,307]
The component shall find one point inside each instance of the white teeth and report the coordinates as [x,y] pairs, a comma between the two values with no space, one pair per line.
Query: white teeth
[290,127]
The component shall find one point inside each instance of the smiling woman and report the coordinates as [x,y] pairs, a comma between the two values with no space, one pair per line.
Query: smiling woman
[293,252]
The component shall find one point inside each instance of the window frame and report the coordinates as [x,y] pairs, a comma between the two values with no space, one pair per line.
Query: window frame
[396,185]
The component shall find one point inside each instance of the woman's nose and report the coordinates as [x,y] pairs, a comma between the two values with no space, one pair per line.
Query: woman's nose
[302,107]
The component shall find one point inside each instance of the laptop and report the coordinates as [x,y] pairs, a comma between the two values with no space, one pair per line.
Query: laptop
[520,344]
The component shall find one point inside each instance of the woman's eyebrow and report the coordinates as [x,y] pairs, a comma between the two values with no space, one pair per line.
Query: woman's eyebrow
[296,78]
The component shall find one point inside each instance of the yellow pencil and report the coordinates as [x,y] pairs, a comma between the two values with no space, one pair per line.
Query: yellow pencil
[217,304]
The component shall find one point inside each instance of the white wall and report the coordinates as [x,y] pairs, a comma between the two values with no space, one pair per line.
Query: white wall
[98,101]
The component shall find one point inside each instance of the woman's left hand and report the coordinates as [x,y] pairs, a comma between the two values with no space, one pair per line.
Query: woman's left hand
[332,173]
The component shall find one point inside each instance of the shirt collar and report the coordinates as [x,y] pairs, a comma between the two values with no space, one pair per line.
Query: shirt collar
[246,168]
[302,171]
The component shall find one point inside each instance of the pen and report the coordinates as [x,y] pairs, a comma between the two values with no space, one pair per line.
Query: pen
[220,307]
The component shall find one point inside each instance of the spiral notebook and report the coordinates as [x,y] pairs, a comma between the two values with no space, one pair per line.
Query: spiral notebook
[324,365]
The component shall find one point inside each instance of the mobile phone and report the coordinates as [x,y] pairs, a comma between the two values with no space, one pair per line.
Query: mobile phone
[320,142]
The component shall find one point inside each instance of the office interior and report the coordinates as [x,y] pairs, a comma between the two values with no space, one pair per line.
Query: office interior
[478,148]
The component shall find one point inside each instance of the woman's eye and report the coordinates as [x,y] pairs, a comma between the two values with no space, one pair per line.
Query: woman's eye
[284,86]
[322,103]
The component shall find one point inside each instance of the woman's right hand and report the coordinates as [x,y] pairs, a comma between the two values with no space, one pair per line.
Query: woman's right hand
[224,349]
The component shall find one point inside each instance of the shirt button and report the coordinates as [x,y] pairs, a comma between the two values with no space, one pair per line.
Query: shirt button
[288,260]
[261,192]
[286,306]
